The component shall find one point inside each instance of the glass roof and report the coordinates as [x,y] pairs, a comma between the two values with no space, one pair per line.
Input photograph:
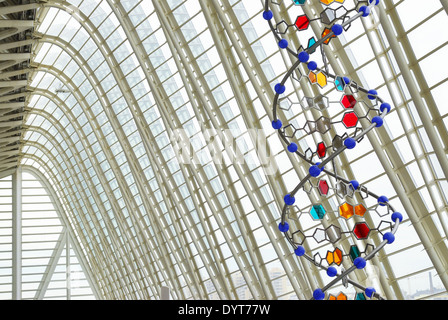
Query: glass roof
[140,114]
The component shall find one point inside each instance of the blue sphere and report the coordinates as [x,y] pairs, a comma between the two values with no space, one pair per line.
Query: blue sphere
[315,171]
[318,294]
[289,200]
[337,29]
[292,147]
[277,124]
[268,15]
[365,11]
[370,291]
[389,237]
[372,94]
[331,271]
[283,227]
[312,65]
[283,43]
[350,143]
[397,215]
[346,80]
[304,56]
[279,88]
[300,251]
[378,120]
[385,106]
[377,2]
[355,184]
[360,263]
[383,200]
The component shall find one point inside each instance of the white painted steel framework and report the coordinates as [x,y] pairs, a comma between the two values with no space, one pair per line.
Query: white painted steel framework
[112,82]
[16,25]
[45,262]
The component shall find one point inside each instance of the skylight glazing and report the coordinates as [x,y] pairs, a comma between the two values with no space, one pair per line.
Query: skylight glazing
[120,87]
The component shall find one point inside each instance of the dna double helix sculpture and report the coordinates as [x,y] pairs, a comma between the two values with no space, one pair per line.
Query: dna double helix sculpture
[338,207]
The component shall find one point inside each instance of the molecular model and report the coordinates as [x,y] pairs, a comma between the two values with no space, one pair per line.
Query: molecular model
[333,122]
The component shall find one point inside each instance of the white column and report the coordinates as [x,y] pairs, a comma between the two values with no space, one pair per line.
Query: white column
[17,235]
[68,269]
[165,293]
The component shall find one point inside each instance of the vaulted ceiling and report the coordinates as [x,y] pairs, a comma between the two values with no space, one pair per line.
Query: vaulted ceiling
[114,85]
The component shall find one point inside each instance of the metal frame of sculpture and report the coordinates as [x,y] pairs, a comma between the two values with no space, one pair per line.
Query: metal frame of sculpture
[323,176]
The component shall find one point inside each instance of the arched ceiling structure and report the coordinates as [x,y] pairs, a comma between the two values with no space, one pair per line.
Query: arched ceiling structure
[16,25]
[139,113]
